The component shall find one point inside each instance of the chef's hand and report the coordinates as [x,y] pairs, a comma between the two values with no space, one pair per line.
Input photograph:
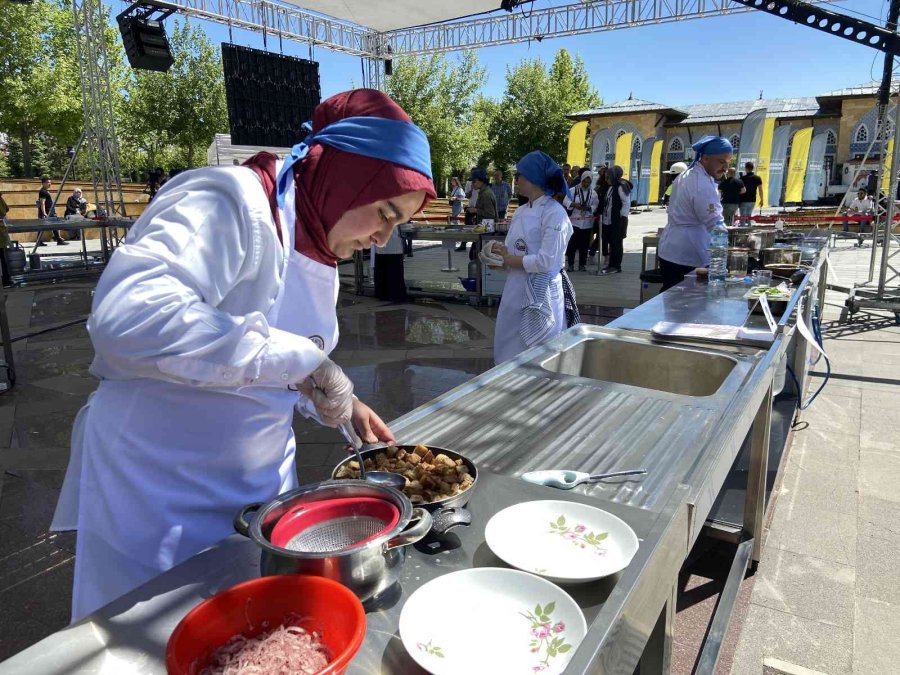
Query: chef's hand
[331,392]
[369,426]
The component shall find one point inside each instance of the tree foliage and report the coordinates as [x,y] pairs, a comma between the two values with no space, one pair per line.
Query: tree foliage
[38,74]
[532,113]
[442,96]
[170,118]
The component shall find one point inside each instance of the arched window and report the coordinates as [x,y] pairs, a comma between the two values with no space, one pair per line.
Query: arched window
[675,145]
[735,141]
[831,138]
[862,134]
[636,147]
[608,148]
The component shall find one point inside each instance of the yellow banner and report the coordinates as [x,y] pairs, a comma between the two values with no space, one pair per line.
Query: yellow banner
[765,156]
[796,173]
[886,178]
[655,172]
[623,153]
[577,151]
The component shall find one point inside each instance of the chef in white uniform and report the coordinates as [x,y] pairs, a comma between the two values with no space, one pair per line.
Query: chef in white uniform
[205,325]
[694,208]
[532,307]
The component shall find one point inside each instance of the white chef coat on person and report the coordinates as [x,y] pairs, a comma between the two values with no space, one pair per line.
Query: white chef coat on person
[694,208]
[200,323]
[539,232]
[583,220]
[863,205]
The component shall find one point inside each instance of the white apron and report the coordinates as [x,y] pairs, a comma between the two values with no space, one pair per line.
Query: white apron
[524,237]
[158,470]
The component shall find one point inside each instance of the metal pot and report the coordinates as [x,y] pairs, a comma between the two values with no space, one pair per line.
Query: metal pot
[446,513]
[779,256]
[367,570]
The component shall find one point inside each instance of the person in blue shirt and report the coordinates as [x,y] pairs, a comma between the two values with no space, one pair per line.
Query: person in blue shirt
[503,192]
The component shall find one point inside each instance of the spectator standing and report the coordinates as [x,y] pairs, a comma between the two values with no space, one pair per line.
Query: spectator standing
[584,204]
[615,215]
[575,176]
[486,204]
[471,206]
[753,193]
[567,172]
[46,209]
[76,204]
[732,190]
[600,189]
[502,193]
[456,197]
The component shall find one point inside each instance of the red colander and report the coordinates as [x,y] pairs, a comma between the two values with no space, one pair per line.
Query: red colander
[334,524]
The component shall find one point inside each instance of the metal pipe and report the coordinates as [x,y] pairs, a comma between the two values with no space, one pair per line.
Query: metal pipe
[892,189]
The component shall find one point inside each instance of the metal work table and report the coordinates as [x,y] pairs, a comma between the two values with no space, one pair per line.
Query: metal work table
[532,413]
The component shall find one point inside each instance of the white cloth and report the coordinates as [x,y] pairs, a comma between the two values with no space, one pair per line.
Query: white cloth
[863,205]
[694,208]
[539,231]
[583,219]
[200,322]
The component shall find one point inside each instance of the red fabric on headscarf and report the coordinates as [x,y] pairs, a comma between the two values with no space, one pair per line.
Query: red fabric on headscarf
[330,182]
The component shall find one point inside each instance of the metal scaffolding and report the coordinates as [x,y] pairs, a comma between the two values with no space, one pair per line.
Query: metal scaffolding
[99,136]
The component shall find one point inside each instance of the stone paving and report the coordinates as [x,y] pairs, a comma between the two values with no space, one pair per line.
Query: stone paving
[825,596]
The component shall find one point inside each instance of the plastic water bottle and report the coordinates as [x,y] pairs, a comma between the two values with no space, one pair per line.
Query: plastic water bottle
[718,253]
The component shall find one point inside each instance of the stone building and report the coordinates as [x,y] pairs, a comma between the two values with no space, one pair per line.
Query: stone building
[847,116]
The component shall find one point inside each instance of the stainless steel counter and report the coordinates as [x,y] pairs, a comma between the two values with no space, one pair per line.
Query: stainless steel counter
[592,399]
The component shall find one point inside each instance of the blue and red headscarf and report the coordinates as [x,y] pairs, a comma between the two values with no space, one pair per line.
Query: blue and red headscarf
[363,148]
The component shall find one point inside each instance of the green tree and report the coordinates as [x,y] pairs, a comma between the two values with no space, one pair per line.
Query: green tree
[442,96]
[532,112]
[38,74]
[173,116]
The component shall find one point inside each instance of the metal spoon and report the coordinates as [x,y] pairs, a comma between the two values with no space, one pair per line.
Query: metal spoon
[566,480]
[385,478]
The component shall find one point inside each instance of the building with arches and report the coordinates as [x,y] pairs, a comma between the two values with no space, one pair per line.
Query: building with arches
[848,117]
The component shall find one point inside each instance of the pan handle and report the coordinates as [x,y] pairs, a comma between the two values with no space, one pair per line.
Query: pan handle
[414,533]
[447,518]
[241,526]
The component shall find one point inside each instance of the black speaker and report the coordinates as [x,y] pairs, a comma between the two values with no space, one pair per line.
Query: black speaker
[146,44]
[269,96]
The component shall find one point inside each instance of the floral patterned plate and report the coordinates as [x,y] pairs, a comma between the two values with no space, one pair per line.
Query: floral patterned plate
[491,620]
[563,541]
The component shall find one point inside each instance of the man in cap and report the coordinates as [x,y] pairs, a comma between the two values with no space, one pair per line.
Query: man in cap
[694,208]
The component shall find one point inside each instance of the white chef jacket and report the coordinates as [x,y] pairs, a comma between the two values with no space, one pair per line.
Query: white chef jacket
[694,208]
[583,220]
[194,294]
[861,205]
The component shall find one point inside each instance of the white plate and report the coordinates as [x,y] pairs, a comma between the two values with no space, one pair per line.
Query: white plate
[491,620]
[562,541]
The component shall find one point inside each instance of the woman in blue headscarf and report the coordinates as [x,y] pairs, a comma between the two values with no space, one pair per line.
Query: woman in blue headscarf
[694,208]
[212,324]
[533,307]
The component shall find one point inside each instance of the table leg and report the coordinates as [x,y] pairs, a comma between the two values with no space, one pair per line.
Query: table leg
[449,267]
[657,656]
[755,501]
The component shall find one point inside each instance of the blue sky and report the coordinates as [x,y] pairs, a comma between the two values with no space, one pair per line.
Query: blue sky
[720,59]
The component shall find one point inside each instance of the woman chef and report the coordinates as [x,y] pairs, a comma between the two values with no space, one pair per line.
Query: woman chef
[205,324]
[694,209]
[533,308]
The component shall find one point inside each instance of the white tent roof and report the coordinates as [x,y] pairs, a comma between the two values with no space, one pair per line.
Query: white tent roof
[386,16]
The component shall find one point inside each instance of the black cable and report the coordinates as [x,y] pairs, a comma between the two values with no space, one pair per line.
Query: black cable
[49,330]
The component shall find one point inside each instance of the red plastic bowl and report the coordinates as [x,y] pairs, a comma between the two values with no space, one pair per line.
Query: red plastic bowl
[330,609]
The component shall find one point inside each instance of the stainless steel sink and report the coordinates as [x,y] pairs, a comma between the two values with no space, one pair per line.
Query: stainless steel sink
[676,370]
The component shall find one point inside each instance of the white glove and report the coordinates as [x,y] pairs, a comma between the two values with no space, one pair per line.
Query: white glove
[331,392]
[488,257]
